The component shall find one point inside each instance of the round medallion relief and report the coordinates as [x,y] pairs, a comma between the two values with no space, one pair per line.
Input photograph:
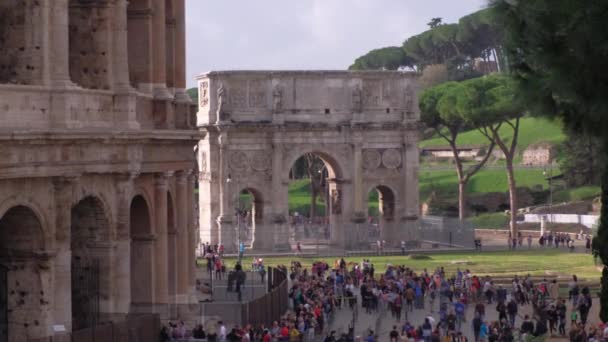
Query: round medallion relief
[371,159]
[391,158]
[260,160]
[238,161]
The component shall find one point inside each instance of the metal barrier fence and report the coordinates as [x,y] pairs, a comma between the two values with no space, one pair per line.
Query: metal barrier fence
[426,233]
[270,307]
[264,309]
[446,231]
[140,327]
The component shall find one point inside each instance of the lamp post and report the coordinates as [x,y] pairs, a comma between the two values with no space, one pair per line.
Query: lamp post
[549,176]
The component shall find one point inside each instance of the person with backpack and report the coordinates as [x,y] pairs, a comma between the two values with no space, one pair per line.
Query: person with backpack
[459,309]
[512,311]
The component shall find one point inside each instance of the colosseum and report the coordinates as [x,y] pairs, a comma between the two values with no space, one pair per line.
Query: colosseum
[97,169]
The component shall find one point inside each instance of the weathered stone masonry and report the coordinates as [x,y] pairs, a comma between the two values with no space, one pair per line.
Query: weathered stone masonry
[96,163]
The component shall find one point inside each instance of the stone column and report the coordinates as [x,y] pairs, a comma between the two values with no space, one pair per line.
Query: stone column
[172,247]
[225,221]
[183,192]
[208,191]
[192,233]
[120,52]
[160,216]
[360,197]
[122,252]
[279,224]
[62,281]
[57,63]
[179,9]
[410,194]
[159,53]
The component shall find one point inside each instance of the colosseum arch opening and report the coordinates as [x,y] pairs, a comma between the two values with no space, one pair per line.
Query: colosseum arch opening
[24,304]
[142,253]
[90,267]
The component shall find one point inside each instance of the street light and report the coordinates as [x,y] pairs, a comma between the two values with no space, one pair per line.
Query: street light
[550,179]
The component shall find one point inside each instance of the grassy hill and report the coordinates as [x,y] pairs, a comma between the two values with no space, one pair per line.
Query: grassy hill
[445,182]
[532,130]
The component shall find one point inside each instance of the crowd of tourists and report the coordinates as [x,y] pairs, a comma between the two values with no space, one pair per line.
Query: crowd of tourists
[443,299]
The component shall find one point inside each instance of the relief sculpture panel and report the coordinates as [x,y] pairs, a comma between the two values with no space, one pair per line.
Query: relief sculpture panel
[391,158]
[371,159]
[238,161]
[261,160]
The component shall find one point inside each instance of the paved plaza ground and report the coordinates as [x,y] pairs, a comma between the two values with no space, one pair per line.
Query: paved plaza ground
[382,322]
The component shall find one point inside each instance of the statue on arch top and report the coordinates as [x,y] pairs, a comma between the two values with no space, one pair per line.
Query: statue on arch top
[221,102]
[277,99]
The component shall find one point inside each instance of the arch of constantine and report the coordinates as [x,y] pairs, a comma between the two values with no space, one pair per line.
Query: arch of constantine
[97,171]
[363,125]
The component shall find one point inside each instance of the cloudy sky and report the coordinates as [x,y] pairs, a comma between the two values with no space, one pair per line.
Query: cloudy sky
[303,34]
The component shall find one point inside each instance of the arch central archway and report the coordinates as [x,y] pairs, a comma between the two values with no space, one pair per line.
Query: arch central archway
[316,178]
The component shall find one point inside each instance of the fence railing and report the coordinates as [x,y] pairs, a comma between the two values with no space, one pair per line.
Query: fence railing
[262,310]
[270,307]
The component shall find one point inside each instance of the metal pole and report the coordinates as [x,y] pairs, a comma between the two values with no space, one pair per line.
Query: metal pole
[551,186]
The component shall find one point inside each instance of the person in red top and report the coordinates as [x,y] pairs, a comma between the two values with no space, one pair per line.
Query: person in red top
[221,251]
[266,337]
[284,333]
[218,268]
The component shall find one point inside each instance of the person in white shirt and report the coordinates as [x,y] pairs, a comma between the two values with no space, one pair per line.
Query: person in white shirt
[222,334]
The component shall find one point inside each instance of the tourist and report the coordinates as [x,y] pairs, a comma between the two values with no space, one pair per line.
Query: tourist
[394,334]
[222,331]
[512,311]
[483,332]
[527,327]
[233,336]
[241,250]
[331,337]
[529,241]
[402,247]
[199,332]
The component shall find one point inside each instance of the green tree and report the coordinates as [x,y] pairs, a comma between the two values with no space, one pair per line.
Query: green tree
[557,53]
[388,58]
[482,39]
[435,22]
[438,111]
[488,103]
[581,159]
[193,93]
